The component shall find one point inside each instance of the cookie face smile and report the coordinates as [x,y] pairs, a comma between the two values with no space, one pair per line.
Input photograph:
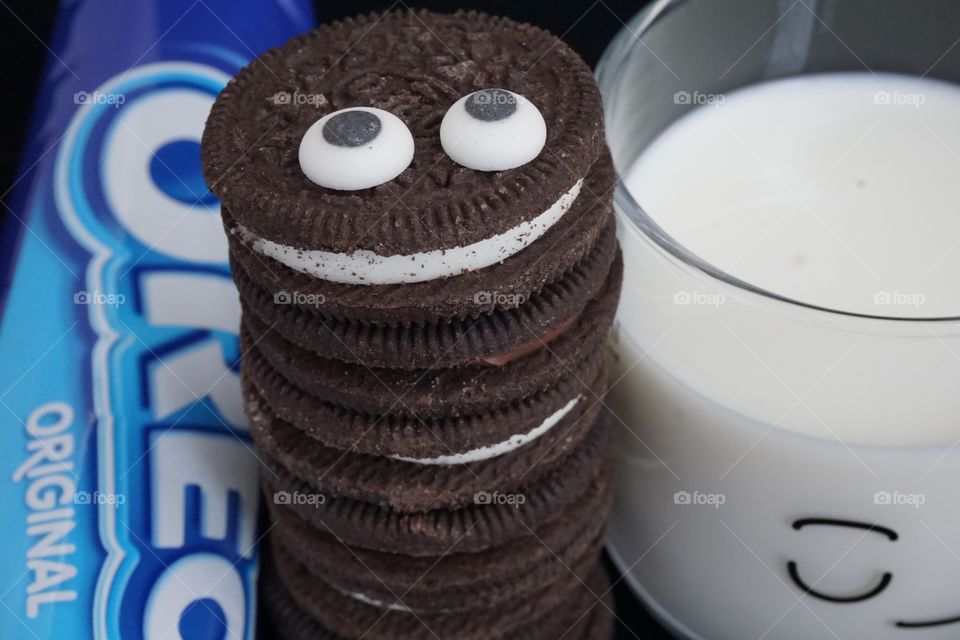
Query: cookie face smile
[359,148]
[534,113]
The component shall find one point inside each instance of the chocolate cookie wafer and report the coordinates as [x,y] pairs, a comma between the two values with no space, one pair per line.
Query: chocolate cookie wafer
[430,393]
[494,518]
[435,441]
[450,343]
[588,617]
[409,484]
[452,581]
[547,614]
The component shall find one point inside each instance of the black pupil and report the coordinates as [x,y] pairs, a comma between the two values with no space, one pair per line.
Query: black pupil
[351,128]
[491,105]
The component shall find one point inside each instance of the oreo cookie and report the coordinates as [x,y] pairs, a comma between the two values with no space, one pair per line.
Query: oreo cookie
[434,441]
[258,154]
[438,392]
[446,481]
[493,519]
[452,581]
[456,342]
[589,615]
[551,613]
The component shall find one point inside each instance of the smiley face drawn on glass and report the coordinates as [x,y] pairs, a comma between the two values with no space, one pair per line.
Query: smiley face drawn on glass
[363,147]
[886,577]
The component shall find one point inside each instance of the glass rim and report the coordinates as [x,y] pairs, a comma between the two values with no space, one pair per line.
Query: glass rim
[627,207]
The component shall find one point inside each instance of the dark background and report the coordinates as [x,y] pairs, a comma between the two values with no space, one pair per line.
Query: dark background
[587,25]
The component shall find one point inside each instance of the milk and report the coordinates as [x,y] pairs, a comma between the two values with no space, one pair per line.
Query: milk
[760,440]
[827,190]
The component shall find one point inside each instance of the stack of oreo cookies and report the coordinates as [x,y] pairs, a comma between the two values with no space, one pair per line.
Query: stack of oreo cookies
[419,215]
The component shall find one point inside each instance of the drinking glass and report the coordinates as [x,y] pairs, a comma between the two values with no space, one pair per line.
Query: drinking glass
[784,470]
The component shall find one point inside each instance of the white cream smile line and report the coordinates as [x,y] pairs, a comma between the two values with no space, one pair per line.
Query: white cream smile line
[368,268]
[500,448]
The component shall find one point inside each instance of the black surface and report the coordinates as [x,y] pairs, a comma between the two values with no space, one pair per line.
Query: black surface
[587,25]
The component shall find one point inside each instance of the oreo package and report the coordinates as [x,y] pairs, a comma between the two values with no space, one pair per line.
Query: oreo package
[129,482]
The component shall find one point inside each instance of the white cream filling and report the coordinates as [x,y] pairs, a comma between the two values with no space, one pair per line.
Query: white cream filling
[366,267]
[396,606]
[500,448]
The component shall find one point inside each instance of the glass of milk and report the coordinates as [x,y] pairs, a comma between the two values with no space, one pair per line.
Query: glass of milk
[787,385]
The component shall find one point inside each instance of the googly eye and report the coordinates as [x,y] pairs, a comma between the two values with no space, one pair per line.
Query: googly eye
[493,130]
[355,149]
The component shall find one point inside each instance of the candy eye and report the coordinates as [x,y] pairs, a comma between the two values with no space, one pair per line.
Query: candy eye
[355,148]
[493,130]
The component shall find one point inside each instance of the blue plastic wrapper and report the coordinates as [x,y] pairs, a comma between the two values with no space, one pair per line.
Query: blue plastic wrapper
[129,486]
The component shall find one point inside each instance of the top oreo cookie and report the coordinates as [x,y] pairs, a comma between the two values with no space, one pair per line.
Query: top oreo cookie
[437,217]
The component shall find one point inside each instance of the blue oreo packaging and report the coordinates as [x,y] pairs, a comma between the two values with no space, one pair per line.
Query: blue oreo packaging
[129,484]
